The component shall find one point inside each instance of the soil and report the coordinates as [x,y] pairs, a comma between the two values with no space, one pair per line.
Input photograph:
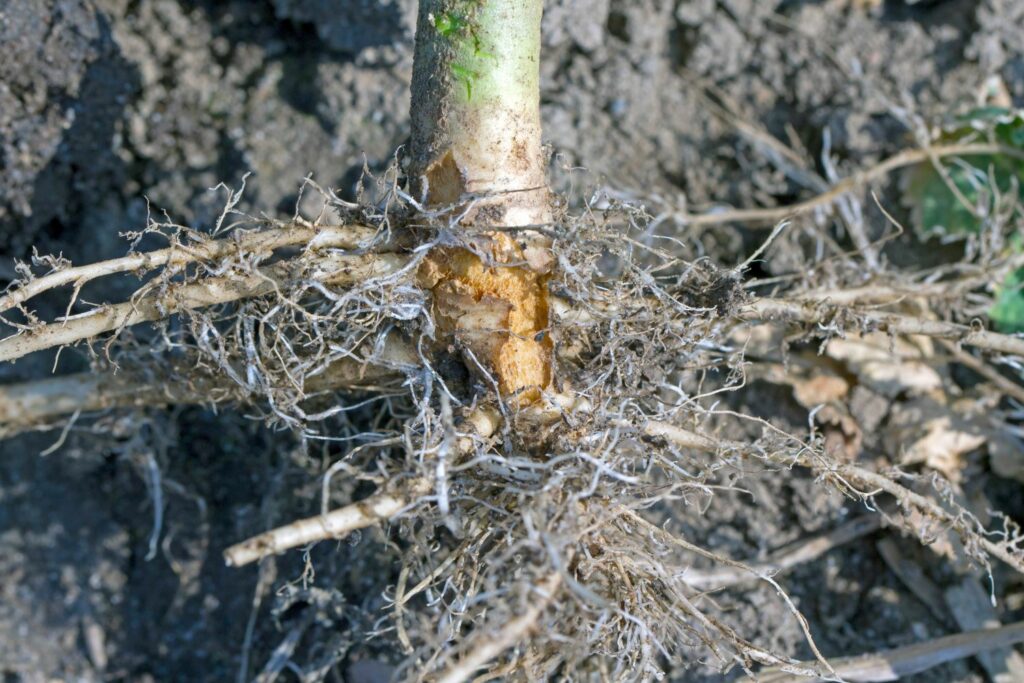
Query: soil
[110,109]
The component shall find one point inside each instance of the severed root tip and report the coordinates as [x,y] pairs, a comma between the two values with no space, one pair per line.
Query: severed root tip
[498,313]
[335,524]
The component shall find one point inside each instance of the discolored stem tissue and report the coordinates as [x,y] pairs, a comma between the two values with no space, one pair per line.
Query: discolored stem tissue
[476,147]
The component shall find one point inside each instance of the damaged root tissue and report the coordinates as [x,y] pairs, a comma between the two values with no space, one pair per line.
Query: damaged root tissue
[498,312]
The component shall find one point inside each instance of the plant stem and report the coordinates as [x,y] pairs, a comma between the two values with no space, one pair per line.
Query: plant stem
[476,146]
[476,109]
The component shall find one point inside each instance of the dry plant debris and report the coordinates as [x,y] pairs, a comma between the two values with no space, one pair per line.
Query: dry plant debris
[906,661]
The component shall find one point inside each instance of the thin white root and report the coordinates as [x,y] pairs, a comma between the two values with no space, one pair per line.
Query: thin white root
[869,480]
[894,323]
[787,558]
[892,665]
[807,309]
[34,404]
[261,242]
[31,403]
[911,157]
[330,269]
[683,438]
[510,635]
[335,524]
[851,475]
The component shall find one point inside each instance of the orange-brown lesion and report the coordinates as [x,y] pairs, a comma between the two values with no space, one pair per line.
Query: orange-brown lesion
[445,182]
[498,312]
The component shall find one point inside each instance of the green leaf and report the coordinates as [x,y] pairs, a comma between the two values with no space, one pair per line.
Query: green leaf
[1008,310]
[985,115]
[937,209]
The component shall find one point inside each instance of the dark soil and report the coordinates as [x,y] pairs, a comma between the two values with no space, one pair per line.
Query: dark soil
[112,108]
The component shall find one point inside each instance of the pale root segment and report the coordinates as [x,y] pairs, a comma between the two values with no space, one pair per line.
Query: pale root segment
[335,524]
[476,142]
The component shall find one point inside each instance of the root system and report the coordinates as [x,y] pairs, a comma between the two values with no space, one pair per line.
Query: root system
[541,537]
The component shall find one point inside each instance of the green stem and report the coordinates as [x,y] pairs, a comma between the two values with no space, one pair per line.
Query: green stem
[476,109]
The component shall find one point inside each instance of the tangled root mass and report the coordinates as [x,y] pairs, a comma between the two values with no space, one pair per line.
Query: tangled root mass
[531,531]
